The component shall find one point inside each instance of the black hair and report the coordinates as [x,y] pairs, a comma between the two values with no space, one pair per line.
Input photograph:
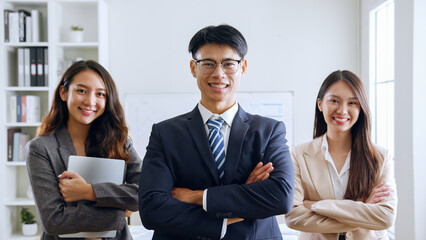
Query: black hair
[222,35]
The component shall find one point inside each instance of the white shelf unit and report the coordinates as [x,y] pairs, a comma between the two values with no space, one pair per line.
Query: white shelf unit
[57,16]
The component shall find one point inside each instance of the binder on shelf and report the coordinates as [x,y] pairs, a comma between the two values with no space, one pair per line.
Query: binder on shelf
[22,26]
[10,133]
[40,66]
[27,64]
[36,25]
[46,67]
[33,66]
[21,61]
[6,25]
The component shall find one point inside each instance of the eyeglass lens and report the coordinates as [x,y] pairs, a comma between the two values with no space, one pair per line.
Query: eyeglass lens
[228,66]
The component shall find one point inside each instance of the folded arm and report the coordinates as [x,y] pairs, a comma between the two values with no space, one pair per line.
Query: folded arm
[266,198]
[373,216]
[332,216]
[305,220]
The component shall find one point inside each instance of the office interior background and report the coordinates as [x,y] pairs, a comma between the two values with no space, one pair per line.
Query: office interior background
[292,46]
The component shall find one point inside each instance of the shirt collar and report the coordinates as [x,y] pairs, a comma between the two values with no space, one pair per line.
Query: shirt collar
[227,116]
[324,145]
[328,158]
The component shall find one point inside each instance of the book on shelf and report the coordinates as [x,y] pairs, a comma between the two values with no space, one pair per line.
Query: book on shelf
[36,25]
[6,25]
[21,62]
[10,133]
[23,108]
[18,109]
[23,139]
[11,109]
[28,29]
[19,141]
[22,26]
[13,27]
[33,109]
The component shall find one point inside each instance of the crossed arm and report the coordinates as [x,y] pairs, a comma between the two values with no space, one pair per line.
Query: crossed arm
[331,216]
[259,173]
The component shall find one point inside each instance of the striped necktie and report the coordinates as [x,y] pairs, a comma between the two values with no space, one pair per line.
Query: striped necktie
[217,144]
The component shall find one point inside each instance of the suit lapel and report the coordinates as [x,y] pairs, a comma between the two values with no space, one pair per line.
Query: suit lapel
[238,132]
[66,147]
[195,127]
[318,170]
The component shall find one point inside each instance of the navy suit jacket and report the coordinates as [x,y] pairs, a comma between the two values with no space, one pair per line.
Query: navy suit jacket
[179,155]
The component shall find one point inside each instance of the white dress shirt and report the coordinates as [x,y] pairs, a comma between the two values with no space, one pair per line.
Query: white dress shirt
[338,180]
[227,117]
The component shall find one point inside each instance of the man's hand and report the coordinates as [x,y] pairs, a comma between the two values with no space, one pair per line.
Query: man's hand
[74,188]
[378,194]
[260,172]
[233,220]
[188,195]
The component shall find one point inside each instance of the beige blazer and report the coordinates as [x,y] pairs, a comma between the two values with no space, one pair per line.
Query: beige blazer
[358,219]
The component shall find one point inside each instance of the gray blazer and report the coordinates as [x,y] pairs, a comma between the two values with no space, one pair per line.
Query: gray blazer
[47,157]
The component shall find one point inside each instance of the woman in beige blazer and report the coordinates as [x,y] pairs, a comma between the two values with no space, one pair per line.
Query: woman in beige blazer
[344,185]
[85,119]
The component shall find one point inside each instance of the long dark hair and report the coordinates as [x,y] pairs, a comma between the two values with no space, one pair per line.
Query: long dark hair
[109,132]
[364,156]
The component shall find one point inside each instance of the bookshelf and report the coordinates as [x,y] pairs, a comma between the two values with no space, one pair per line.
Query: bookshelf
[56,17]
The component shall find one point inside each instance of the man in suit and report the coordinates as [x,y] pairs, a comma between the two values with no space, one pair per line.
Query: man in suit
[216,172]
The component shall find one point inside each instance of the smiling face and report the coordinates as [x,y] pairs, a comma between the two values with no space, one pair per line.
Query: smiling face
[340,108]
[85,98]
[217,88]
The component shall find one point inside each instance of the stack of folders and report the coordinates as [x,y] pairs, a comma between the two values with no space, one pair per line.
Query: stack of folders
[22,26]
[25,109]
[33,67]
[16,141]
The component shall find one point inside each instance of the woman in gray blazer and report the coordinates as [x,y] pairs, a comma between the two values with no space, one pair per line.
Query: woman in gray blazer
[85,119]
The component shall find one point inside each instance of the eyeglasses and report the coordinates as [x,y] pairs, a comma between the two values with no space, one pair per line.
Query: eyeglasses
[229,66]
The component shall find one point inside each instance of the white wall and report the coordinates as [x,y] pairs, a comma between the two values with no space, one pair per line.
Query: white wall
[410,128]
[293,45]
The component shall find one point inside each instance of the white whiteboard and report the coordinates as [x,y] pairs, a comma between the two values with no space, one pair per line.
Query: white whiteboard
[144,109]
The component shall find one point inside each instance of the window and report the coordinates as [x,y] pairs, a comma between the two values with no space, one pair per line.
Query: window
[382,77]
